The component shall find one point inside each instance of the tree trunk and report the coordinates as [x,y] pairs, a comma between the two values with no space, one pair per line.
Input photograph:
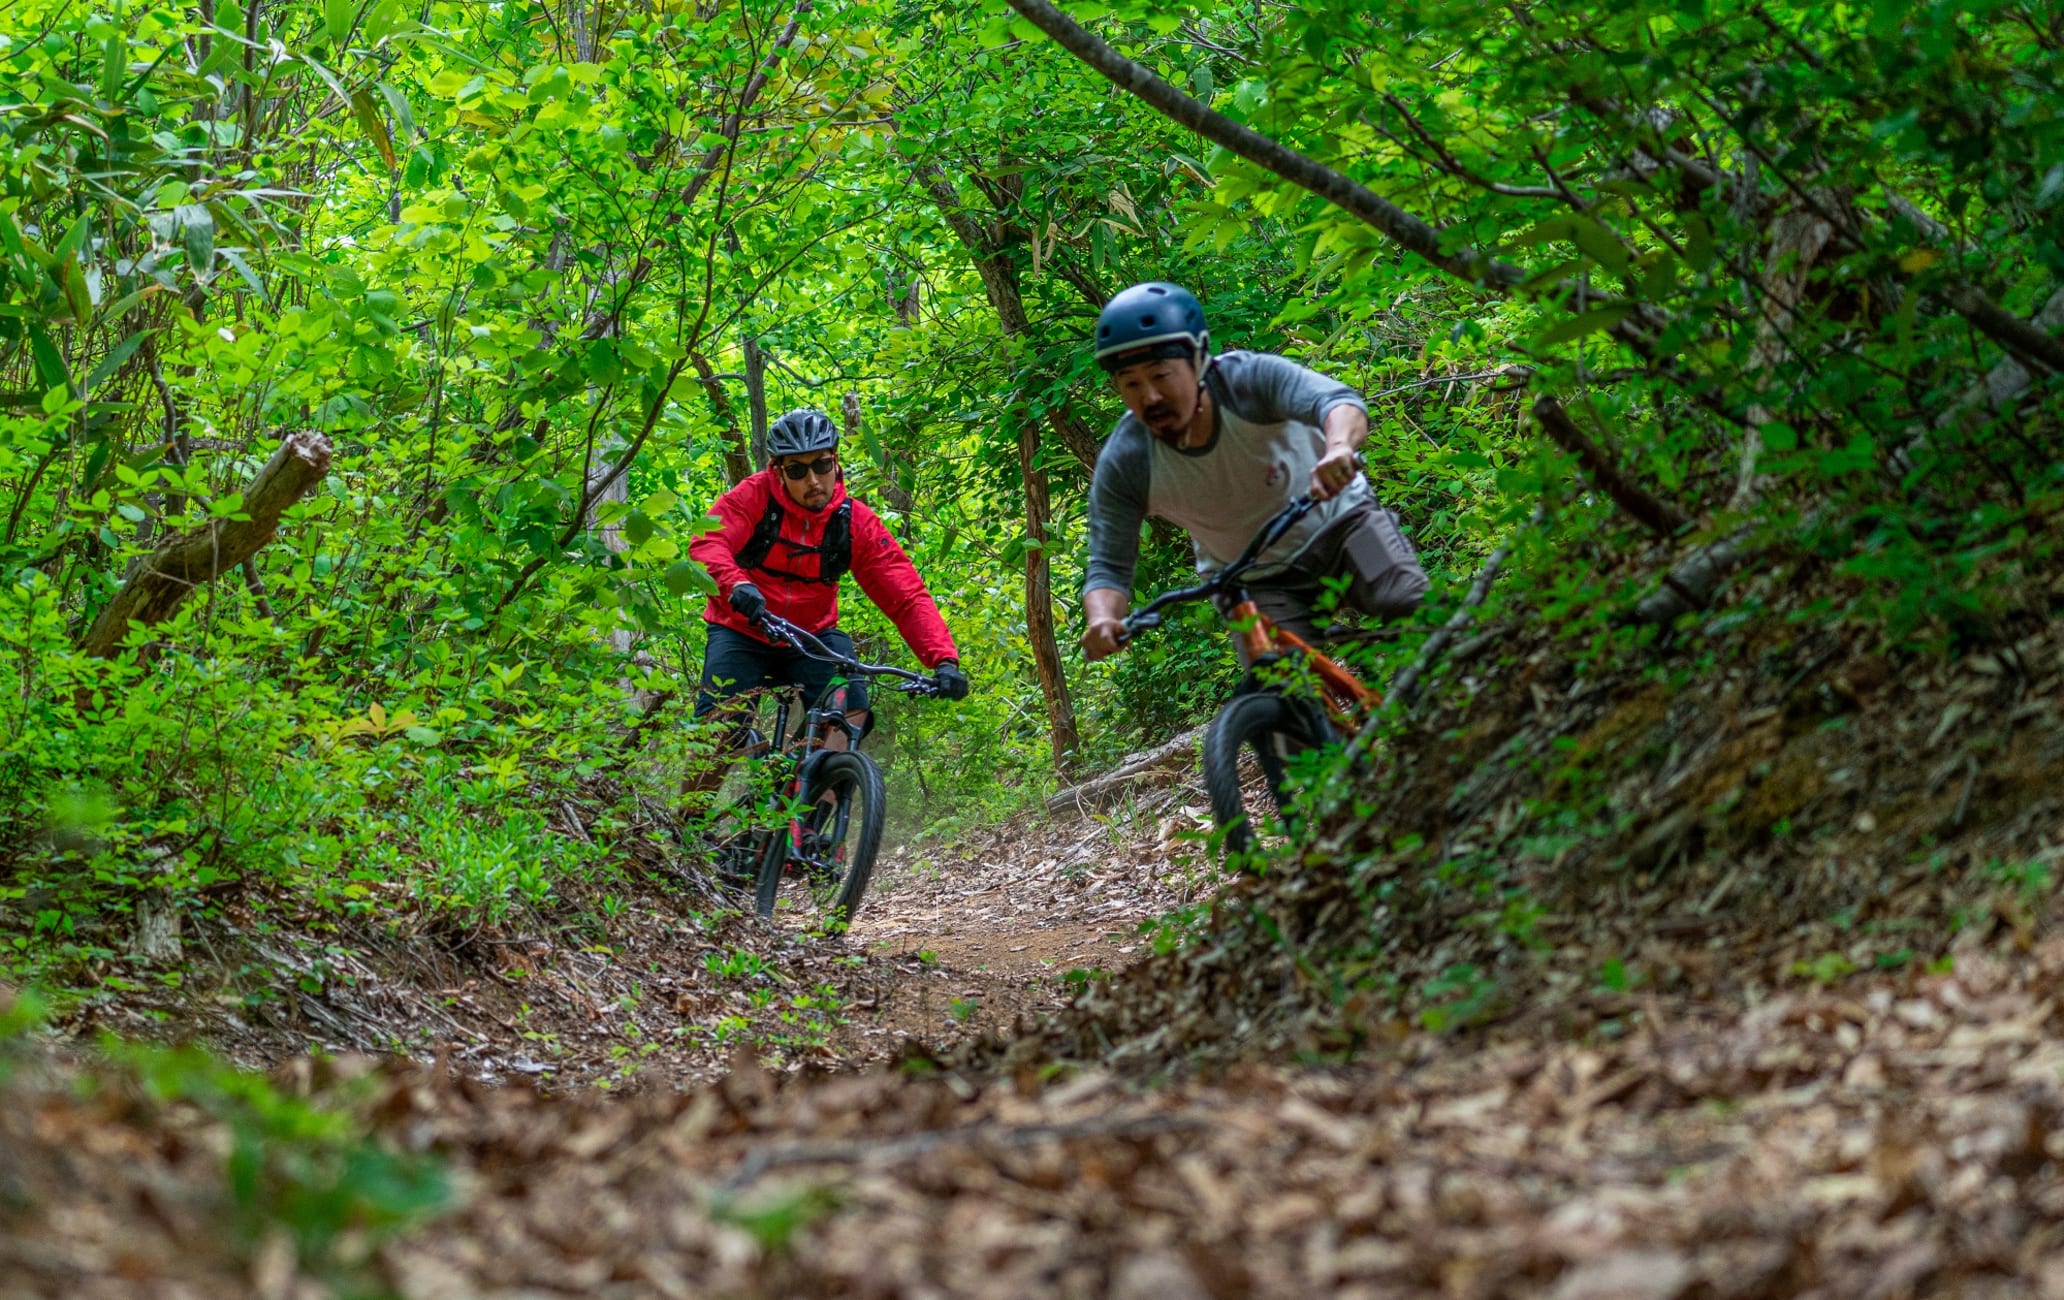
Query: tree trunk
[163,580]
[756,398]
[993,262]
[738,459]
[1039,619]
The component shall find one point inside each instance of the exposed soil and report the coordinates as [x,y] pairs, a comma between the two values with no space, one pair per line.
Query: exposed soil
[952,944]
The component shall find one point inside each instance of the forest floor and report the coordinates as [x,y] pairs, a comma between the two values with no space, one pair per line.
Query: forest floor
[1897,1136]
[1039,1066]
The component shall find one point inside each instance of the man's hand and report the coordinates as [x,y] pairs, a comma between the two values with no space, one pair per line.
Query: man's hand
[747,600]
[1104,609]
[952,683]
[1103,638]
[1347,428]
[1334,472]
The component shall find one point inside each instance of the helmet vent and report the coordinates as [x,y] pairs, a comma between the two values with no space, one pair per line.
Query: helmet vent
[1148,321]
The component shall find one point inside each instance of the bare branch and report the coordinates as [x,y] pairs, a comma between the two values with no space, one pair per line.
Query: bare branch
[164,579]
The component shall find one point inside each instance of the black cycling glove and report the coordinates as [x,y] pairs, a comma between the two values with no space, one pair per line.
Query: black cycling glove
[747,600]
[952,683]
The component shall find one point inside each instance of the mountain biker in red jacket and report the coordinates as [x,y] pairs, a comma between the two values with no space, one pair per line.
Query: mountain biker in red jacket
[787,536]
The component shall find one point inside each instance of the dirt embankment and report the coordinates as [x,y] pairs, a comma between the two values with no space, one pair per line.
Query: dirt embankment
[953,943]
[1544,838]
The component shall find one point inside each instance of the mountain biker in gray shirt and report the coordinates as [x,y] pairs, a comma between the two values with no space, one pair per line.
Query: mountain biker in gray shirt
[1217,445]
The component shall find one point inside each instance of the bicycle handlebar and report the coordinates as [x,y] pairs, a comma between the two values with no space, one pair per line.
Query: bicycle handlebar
[782,630]
[1149,616]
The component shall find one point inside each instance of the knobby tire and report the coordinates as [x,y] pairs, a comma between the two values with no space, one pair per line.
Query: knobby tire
[859,793]
[1272,728]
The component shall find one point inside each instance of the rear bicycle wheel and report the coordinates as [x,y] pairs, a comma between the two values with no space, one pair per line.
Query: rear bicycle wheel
[817,868]
[1265,730]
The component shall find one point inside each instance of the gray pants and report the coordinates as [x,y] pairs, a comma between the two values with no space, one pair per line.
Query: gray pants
[1365,547]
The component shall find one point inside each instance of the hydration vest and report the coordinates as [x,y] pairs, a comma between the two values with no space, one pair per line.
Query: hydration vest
[834,553]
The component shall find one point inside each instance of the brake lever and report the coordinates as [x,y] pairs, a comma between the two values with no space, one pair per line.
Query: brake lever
[1137,624]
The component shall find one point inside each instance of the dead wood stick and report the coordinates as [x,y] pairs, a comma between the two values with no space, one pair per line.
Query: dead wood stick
[916,1144]
[2032,344]
[1693,581]
[1086,795]
[1404,688]
[165,578]
[1654,514]
[2000,385]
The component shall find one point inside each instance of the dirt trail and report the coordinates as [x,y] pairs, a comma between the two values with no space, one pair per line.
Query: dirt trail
[1011,922]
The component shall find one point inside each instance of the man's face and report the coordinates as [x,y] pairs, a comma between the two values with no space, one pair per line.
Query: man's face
[809,478]
[1161,394]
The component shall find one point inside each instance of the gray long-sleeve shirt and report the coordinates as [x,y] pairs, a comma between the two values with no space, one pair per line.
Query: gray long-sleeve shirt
[1269,434]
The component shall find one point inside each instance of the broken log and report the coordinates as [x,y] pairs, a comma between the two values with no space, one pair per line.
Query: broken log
[158,584]
[1164,761]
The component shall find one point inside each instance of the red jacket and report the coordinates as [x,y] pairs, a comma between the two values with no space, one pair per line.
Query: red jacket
[884,572]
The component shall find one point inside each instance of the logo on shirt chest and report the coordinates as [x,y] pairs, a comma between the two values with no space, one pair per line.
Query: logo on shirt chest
[1278,475]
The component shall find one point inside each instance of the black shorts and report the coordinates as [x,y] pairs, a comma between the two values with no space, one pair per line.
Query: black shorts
[735,663]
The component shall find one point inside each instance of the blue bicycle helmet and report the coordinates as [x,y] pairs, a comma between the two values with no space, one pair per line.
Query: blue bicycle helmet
[1148,322]
[801,432]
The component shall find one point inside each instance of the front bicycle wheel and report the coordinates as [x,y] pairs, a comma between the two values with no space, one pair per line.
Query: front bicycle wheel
[1262,730]
[818,868]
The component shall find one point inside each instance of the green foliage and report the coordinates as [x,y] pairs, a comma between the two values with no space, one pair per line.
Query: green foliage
[1460,997]
[773,1219]
[309,1169]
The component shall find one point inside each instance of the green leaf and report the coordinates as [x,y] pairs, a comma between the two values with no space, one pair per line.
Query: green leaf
[1600,318]
[112,362]
[1698,243]
[96,461]
[50,366]
[197,234]
[74,241]
[337,19]
[423,736]
[637,527]
[397,104]
[369,120]
[1598,243]
[1778,437]
[686,576]
[75,292]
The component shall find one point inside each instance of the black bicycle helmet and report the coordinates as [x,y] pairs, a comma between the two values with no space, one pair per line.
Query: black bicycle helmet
[1148,322]
[801,432]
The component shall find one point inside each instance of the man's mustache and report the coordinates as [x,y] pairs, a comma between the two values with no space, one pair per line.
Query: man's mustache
[1160,412]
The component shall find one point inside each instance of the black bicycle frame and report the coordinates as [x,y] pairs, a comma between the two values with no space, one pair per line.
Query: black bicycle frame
[832,717]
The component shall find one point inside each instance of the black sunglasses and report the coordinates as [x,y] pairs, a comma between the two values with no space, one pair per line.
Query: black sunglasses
[799,470]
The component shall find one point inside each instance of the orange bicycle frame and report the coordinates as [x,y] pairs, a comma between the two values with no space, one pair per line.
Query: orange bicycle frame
[1346,695]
